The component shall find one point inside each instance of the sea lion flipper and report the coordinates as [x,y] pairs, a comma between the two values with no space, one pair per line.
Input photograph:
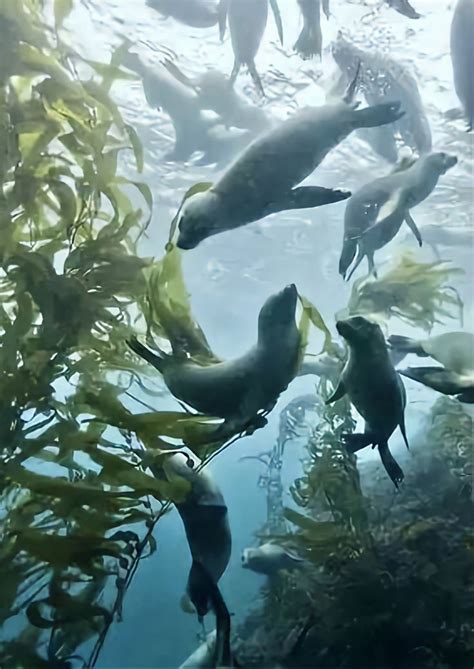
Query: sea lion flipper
[413,227]
[222,17]
[252,68]
[360,257]
[145,353]
[338,393]
[392,467]
[403,430]
[278,21]
[356,441]
[307,197]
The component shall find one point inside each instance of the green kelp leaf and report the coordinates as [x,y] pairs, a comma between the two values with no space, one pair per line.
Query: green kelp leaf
[63,608]
[312,315]
[197,188]
[415,292]
[63,551]
[118,472]
[62,9]
[169,310]
[136,146]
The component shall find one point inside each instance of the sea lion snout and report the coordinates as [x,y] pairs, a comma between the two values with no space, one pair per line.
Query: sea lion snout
[444,161]
[358,328]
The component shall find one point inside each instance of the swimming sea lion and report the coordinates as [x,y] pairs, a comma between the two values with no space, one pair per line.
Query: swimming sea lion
[247,23]
[380,79]
[454,350]
[403,7]
[237,390]
[374,388]
[444,381]
[205,519]
[214,93]
[462,56]
[310,41]
[202,657]
[375,213]
[263,179]
[269,559]
[194,13]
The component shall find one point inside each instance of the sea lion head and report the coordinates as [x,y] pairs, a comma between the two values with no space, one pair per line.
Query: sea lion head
[441,162]
[199,219]
[278,312]
[360,332]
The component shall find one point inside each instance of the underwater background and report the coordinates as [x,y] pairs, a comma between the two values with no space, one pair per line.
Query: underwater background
[229,276]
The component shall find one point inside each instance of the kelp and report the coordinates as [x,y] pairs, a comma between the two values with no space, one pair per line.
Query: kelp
[78,503]
[415,292]
[389,580]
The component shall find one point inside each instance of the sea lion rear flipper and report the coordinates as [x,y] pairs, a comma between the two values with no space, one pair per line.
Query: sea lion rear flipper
[356,441]
[407,345]
[413,227]
[338,393]
[306,197]
[403,430]
[255,77]
[371,263]
[391,465]
[360,257]
[326,9]
[278,21]
[348,253]
[222,14]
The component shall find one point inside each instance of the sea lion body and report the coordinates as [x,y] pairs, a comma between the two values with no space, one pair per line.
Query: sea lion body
[262,179]
[215,93]
[375,389]
[237,390]
[269,559]
[381,79]
[194,132]
[205,519]
[454,350]
[194,13]
[462,56]
[375,213]
[444,381]
[203,655]
[403,7]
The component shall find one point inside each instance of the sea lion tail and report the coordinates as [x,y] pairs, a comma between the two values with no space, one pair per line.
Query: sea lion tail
[407,345]
[145,353]
[372,117]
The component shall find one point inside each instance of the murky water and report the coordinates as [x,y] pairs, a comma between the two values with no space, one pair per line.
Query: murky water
[230,275]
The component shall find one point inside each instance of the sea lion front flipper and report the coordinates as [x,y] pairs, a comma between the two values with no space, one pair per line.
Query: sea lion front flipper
[252,68]
[278,21]
[413,227]
[154,359]
[338,393]
[392,467]
[438,378]
[326,9]
[306,197]
[371,263]
[175,72]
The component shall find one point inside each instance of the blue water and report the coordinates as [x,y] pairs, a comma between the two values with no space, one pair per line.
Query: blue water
[230,275]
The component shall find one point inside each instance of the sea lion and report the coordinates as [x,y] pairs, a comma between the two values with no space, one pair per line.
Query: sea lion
[382,79]
[310,41]
[202,657]
[263,178]
[205,519]
[215,94]
[238,390]
[269,559]
[444,381]
[403,7]
[462,56]
[247,22]
[454,350]
[194,132]
[375,213]
[194,13]
[374,388]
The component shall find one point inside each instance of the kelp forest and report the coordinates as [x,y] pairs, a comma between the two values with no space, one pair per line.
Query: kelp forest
[84,438]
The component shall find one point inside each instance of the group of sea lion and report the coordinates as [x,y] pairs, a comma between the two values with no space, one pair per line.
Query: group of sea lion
[264,179]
